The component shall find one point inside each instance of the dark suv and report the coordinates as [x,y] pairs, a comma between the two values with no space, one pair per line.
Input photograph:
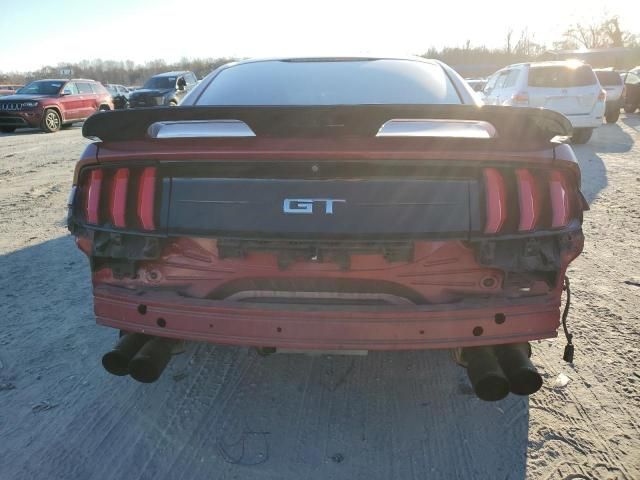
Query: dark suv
[52,104]
[120,95]
[163,89]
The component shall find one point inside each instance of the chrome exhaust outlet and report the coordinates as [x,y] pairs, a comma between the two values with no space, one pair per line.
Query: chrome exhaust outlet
[524,378]
[149,363]
[488,380]
[116,362]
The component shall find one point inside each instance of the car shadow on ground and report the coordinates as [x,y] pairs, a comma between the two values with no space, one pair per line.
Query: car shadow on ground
[632,120]
[226,412]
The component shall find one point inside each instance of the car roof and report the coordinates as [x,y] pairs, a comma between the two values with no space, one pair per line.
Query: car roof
[172,74]
[548,63]
[64,80]
[335,58]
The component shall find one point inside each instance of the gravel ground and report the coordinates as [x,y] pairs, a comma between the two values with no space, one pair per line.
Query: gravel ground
[226,413]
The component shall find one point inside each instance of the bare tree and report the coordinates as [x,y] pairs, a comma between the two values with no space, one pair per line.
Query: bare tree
[603,34]
[508,45]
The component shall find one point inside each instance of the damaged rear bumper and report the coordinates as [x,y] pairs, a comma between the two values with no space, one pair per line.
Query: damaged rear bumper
[395,327]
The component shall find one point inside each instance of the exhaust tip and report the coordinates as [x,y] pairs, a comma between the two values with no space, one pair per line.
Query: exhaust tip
[487,378]
[150,361]
[116,362]
[492,387]
[524,378]
[526,382]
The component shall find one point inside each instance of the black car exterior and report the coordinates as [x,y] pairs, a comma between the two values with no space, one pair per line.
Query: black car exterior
[120,95]
[164,89]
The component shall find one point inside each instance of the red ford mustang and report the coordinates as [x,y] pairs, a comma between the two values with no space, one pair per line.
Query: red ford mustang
[331,204]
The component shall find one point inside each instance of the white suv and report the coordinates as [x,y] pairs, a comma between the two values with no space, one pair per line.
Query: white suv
[612,83]
[568,87]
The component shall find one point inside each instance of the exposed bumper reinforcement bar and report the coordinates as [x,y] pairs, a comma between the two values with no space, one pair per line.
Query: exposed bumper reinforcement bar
[303,327]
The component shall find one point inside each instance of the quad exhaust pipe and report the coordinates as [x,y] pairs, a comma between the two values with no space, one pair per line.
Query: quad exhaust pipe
[494,371]
[141,356]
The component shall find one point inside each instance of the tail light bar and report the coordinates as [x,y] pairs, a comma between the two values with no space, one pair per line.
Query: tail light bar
[496,195]
[118,197]
[121,198]
[543,200]
[146,198]
[94,191]
[559,200]
[528,199]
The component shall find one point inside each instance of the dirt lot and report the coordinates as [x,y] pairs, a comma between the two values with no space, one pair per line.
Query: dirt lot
[223,412]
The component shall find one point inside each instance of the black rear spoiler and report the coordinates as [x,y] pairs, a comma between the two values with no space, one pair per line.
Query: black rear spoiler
[523,124]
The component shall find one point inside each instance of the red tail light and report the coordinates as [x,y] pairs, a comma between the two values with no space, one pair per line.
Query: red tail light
[540,200]
[560,206]
[124,198]
[118,198]
[94,190]
[496,198]
[529,200]
[146,197]
[520,98]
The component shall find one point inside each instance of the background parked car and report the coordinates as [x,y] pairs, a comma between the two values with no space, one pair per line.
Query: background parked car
[568,87]
[163,89]
[8,89]
[614,86]
[477,84]
[631,97]
[120,95]
[52,104]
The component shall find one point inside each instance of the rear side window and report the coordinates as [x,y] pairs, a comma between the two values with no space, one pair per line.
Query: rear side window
[607,78]
[632,79]
[500,83]
[560,76]
[491,83]
[70,89]
[84,87]
[326,82]
[512,78]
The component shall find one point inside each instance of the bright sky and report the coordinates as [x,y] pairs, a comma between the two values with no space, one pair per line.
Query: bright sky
[37,33]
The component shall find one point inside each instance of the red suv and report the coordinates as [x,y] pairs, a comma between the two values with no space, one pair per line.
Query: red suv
[52,104]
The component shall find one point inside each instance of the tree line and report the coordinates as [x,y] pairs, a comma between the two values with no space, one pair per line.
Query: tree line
[518,47]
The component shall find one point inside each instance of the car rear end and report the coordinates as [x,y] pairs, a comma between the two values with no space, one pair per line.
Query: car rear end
[352,227]
[613,85]
[570,88]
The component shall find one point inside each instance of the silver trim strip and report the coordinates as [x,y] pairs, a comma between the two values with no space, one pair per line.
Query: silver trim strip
[291,295]
[200,129]
[431,127]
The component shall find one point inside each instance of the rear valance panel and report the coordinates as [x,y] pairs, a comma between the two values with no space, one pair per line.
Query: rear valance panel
[302,208]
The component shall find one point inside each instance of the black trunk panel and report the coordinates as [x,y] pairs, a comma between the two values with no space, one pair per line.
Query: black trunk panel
[322,208]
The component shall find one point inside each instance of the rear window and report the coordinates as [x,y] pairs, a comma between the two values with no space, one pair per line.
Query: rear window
[561,76]
[608,78]
[42,87]
[340,82]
